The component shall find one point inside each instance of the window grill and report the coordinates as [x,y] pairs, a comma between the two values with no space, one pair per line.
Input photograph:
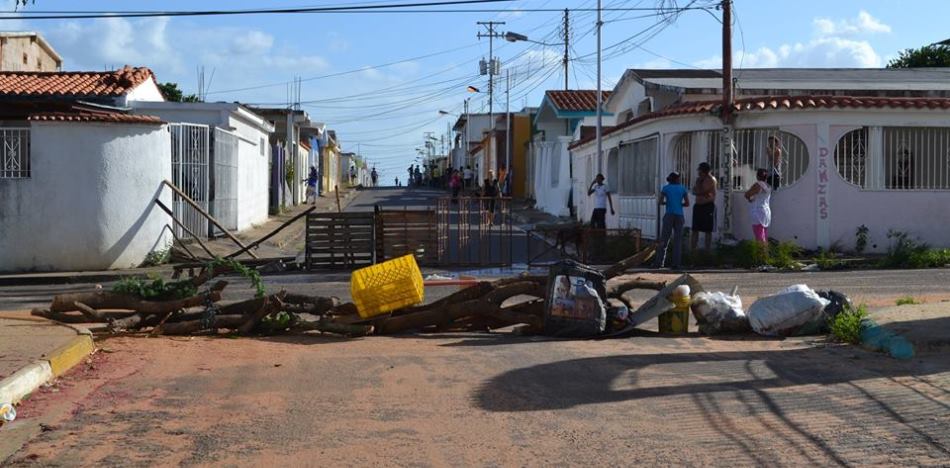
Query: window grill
[15,144]
[895,158]
[916,158]
[682,160]
[782,154]
[638,167]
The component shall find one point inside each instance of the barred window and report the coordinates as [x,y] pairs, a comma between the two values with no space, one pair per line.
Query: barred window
[15,146]
[895,158]
[682,162]
[784,155]
[851,156]
[916,158]
[638,167]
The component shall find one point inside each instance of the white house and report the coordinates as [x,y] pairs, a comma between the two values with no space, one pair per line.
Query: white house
[549,169]
[78,175]
[859,147]
[239,156]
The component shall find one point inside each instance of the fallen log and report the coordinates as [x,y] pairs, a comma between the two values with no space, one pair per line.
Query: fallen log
[92,314]
[472,292]
[640,258]
[272,304]
[432,317]
[500,294]
[330,326]
[111,300]
[316,305]
[230,322]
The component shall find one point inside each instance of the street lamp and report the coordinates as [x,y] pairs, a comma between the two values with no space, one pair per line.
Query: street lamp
[515,37]
[472,89]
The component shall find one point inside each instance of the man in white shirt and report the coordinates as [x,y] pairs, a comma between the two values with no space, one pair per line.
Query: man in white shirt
[598,219]
[467,175]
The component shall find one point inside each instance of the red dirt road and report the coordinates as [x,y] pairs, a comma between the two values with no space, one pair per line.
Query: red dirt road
[492,400]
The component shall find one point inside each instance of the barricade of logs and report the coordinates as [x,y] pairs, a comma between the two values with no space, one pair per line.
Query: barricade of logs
[483,306]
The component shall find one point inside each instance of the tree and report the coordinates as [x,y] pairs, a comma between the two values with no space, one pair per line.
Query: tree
[173,94]
[934,55]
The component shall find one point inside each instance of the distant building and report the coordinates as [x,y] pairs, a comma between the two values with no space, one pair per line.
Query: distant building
[27,51]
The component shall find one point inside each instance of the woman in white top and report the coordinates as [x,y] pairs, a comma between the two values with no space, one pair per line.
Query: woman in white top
[759,195]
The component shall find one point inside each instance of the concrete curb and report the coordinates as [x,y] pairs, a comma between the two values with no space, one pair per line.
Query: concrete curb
[26,380]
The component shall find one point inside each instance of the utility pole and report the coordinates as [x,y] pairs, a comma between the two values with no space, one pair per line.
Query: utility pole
[507,131]
[492,69]
[600,98]
[567,42]
[468,123]
[725,151]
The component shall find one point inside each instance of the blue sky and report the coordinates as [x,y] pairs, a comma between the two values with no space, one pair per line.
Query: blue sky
[387,110]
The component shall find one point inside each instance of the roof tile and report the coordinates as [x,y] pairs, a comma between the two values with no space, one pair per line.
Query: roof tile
[113,117]
[576,100]
[73,84]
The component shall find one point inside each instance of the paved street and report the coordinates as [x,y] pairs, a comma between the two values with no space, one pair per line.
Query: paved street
[492,400]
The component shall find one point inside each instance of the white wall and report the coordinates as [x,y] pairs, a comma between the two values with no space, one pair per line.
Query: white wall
[146,91]
[550,157]
[88,204]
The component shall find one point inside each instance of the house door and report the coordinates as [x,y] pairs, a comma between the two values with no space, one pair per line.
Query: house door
[638,186]
[190,173]
[224,180]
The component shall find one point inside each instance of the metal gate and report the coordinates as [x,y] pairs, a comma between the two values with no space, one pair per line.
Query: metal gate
[190,174]
[224,180]
[474,231]
[404,232]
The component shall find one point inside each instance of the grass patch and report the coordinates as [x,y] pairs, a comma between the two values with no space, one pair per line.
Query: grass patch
[827,260]
[908,300]
[846,326]
[749,254]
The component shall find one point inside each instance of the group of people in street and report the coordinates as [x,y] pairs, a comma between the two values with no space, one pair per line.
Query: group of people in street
[675,198]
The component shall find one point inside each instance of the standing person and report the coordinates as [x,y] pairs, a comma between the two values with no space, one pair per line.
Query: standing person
[409,180]
[598,219]
[773,148]
[396,181]
[352,175]
[704,211]
[675,197]
[417,176]
[374,176]
[467,176]
[311,180]
[760,195]
[455,183]
[502,180]
[489,193]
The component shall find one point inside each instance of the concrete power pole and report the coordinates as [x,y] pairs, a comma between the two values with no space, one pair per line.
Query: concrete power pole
[725,151]
[600,98]
[492,69]
[567,41]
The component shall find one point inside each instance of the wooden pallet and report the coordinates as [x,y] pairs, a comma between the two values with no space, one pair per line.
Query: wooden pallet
[407,232]
[340,240]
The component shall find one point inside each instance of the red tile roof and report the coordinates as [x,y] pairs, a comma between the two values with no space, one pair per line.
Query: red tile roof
[767,103]
[576,100]
[112,117]
[73,84]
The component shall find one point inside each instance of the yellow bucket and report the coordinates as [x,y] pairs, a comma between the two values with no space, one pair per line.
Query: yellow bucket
[676,321]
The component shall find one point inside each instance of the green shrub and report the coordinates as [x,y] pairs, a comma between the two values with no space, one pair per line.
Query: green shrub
[154,288]
[782,255]
[158,257]
[861,237]
[907,300]
[827,260]
[905,252]
[846,326]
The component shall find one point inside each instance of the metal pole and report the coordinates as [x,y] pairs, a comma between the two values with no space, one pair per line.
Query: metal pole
[491,99]
[467,124]
[600,103]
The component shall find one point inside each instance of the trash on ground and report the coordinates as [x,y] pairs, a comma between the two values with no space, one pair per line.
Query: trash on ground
[574,303]
[718,313]
[7,413]
[878,338]
[788,312]
[676,320]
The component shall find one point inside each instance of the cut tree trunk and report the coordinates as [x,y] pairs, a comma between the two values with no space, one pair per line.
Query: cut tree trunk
[230,322]
[617,289]
[640,258]
[109,300]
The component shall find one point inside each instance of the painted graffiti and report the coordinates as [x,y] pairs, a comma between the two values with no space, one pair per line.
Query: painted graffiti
[823,183]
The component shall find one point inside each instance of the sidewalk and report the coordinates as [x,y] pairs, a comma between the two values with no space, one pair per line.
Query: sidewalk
[34,351]
[926,326]
[287,243]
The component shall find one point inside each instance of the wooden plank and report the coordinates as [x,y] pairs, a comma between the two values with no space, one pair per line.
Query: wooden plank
[204,213]
[182,226]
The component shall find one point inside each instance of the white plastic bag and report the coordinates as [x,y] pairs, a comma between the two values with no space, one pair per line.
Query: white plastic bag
[785,312]
[718,312]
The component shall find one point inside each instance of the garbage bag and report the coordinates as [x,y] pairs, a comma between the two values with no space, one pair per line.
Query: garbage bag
[788,312]
[837,302]
[718,312]
[574,303]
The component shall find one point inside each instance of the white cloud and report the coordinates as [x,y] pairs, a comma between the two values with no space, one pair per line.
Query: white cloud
[862,25]
[336,42]
[834,45]
[253,43]
[512,13]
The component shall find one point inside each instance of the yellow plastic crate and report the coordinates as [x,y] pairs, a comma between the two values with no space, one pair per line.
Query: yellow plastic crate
[387,286]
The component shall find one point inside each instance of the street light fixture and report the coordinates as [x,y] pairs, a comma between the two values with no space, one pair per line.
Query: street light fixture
[515,37]
[472,89]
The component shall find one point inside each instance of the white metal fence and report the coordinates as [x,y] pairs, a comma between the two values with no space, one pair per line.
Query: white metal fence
[190,174]
[224,179]
[895,158]
[682,158]
[15,144]
[638,167]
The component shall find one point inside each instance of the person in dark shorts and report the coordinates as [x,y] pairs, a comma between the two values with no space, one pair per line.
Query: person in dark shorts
[598,218]
[489,194]
[704,211]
